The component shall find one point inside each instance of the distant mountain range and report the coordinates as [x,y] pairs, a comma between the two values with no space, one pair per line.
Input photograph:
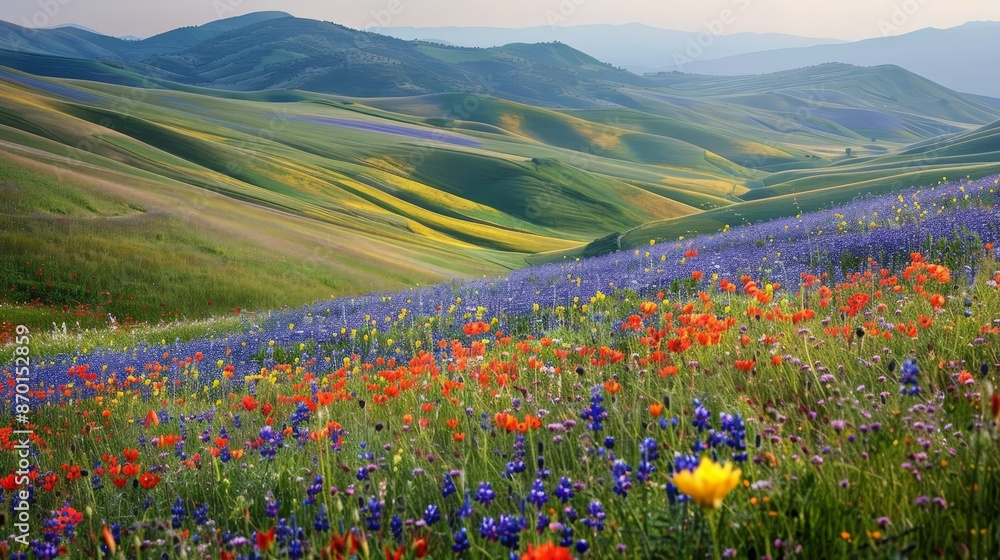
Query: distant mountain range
[964,58]
[951,57]
[578,66]
[636,47]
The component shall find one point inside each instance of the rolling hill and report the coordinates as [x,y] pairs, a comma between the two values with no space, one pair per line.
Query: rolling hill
[428,162]
[270,50]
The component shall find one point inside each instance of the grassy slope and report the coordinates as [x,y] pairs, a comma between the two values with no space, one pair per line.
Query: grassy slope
[470,183]
[175,180]
[146,248]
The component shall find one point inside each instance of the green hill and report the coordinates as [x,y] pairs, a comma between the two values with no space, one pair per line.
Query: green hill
[429,162]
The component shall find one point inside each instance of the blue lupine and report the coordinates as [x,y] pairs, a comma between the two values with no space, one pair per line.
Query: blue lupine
[537,495]
[396,527]
[461,541]
[509,529]
[701,416]
[322,521]
[567,536]
[271,508]
[595,414]
[595,516]
[201,514]
[314,489]
[374,515]
[432,514]
[177,513]
[485,494]
[908,376]
[620,473]
[564,489]
[449,486]
[736,436]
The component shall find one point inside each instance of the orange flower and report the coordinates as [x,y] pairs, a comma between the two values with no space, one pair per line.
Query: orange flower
[656,409]
[109,539]
[697,275]
[647,307]
[612,386]
[668,370]
[458,436]
[152,419]
[745,365]
[131,455]
[148,480]
[937,301]
[547,551]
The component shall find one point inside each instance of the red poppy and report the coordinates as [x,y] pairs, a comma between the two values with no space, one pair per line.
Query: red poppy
[148,480]
[341,546]
[420,547]
[73,473]
[249,403]
[264,539]
[131,455]
[50,481]
[9,483]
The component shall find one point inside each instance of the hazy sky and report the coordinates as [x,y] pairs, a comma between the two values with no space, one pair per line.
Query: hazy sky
[844,19]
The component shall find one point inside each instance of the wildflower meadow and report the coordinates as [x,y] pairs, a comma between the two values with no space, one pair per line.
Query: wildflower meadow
[820,386]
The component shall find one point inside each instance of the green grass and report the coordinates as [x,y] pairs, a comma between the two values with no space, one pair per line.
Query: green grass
[67,336]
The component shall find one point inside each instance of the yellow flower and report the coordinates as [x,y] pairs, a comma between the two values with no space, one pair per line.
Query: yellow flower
[708,483]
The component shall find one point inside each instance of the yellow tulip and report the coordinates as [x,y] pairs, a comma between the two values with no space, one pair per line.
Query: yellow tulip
[709,483]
